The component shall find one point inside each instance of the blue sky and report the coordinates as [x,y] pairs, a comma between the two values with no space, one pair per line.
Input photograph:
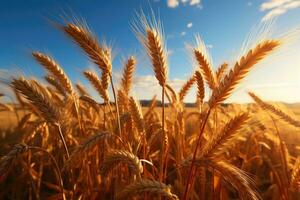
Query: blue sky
[222,24]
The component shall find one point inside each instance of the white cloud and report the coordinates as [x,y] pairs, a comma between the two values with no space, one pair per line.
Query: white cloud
[273,4]
[173,3]
[276,8]
[176,3]
[146,86]
[195,2]
[210,46]
[183,33]
[170,52]
[189,25]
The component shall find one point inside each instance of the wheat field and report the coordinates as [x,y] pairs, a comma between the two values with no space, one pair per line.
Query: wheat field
[58,142]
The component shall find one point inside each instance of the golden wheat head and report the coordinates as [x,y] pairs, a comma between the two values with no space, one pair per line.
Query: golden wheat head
[240,70]
[82,36]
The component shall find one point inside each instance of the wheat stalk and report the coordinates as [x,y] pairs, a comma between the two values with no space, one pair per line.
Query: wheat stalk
[152,38]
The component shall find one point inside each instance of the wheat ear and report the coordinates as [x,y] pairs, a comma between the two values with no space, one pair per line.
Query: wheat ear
[90,101]
[24,120]
[86,146]
[200,86]
[36,97]
[186,87]
[52,81]
[228,132]
[295,174]
[150,35]
[81,89]
[237,178]
[127,75]
[274,110]
[146,186]
[221,71]
[96,82]
[152,38]
[173,99]
[114,157]
[202,57]
[8,160]
[99,54]
[137,115]
[240,70]
[54,69]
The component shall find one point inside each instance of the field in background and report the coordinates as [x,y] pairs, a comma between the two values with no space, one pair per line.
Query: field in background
[8,120]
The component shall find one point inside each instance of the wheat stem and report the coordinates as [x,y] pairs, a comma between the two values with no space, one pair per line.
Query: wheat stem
[63,140]
[56,167]
[116,104]
[189,180]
